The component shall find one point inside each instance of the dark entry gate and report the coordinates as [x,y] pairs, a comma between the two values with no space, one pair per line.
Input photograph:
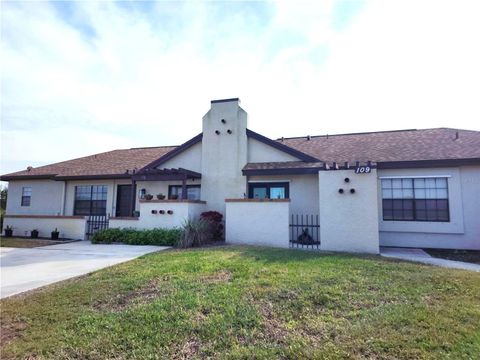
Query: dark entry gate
[96,223]
[305,231]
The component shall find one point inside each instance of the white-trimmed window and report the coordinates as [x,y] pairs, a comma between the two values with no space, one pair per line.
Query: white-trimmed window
[26,196]
[415,199]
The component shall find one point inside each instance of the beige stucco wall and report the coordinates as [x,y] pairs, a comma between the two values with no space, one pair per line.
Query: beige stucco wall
[68,228]
[463,230]
[181,212]
[224,155]
[190,159]
[303,191]
[260,152]
[46,197]
[348,222]
[257,223]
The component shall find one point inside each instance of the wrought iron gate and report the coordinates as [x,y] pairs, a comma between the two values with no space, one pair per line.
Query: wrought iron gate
[96,223]
[305,231]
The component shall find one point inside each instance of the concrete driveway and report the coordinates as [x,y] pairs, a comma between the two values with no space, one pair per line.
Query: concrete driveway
[27,269]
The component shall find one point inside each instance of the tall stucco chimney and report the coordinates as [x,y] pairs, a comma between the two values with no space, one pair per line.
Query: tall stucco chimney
[224,153]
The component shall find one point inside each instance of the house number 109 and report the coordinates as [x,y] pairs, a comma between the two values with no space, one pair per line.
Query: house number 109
[363,170]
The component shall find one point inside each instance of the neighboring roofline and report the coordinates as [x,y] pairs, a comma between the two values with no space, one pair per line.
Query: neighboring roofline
[294,171]
[282,147]
[369,133]
[427,163]
[173,153]
[224,100]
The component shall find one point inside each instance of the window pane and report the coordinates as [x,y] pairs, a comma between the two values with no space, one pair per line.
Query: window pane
[387,193]
[397,194]
[419,193]
[441,183]
[397,183]
[430,193]
[259,192]
[407,183]
[386,183]
[408,193]
[430,183]
[419,183]
[277,193]
[442,194]
[193,193]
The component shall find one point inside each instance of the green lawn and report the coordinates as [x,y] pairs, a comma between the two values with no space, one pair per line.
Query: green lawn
[245,302]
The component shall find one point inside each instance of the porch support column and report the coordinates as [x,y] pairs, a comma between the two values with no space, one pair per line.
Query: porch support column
[184,188]
[133,197]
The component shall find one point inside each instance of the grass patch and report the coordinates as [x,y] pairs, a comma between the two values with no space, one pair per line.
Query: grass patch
[246,302]
[17,242]
[470,256]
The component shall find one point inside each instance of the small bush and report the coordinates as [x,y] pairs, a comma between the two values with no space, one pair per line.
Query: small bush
[214,219]
[158,236]
[195,233]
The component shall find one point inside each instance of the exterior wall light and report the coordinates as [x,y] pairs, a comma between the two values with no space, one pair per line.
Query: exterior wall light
[217,132]
[352,191]
[340,191]
[347,180]
[223,121]
[229,131]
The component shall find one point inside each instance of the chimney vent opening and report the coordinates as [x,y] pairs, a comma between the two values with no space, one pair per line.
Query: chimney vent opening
[217,132]
[229,131]
[223,121]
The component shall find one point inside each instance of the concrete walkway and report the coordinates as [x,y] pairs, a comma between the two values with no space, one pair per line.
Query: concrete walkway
[26,269]
[418,255]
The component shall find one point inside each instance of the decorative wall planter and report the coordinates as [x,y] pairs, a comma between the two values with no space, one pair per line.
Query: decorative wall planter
[34,234]
[55,234]
[8,232]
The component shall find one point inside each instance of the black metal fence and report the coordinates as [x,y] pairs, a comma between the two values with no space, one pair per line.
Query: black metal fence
[96,223]
[305,231]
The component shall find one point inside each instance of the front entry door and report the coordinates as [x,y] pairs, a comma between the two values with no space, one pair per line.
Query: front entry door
[124,199]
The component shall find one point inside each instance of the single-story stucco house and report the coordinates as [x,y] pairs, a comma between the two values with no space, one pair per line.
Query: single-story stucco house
[350,192]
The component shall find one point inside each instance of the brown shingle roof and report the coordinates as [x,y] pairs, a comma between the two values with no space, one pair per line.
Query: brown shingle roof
[404,145]
[115,162]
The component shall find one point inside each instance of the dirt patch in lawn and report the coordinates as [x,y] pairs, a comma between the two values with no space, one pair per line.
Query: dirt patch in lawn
[11,330]
[275,329]
[218,277]
[17,242]
[146,294]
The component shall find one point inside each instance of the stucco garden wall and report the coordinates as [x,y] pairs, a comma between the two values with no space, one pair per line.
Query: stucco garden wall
[463,229]
[348,222]
[70,227]
[181,211]
[257,222]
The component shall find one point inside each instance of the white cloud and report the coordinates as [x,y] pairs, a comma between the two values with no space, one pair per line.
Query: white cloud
[146,77]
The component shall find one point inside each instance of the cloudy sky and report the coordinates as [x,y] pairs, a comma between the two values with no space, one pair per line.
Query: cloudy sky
[84,77]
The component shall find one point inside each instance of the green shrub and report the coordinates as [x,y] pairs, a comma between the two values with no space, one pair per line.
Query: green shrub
[158,236]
